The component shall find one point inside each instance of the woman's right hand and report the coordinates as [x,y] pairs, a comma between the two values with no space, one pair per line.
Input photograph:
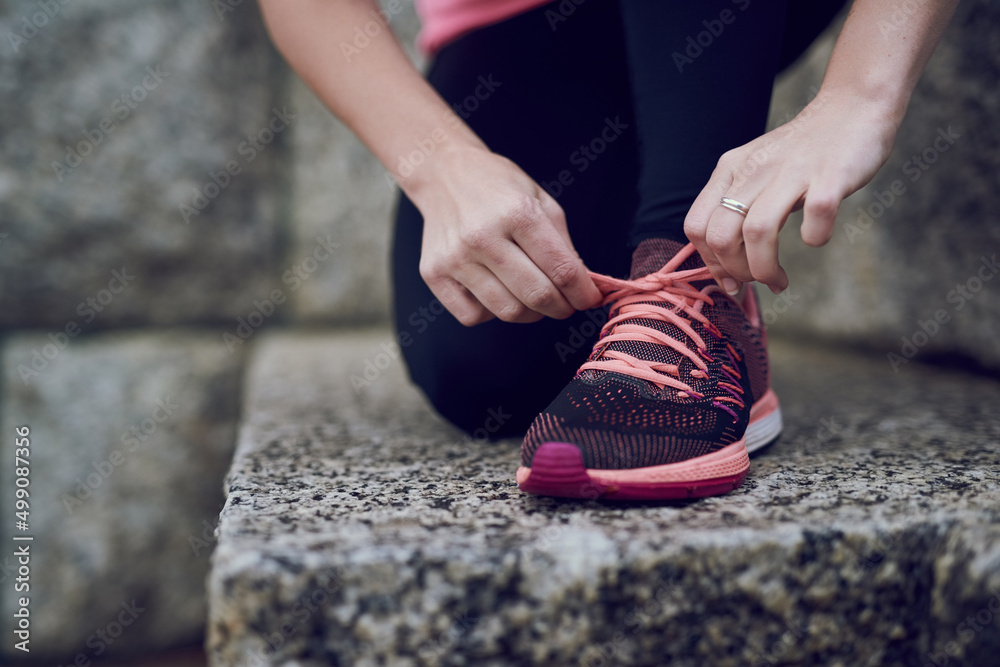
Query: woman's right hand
[494,242]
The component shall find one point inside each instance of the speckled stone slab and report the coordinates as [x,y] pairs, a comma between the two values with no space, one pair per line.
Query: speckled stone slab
[361,530]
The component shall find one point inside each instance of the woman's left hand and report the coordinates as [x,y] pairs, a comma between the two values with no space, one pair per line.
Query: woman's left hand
[826,153]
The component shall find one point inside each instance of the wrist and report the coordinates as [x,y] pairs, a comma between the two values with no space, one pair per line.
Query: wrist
[880,94]
[884,109]
[432,163]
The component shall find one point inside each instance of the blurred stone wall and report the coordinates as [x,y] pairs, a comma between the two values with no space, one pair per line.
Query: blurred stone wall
[118,116]
[161,176]
[115,116]
[168,187]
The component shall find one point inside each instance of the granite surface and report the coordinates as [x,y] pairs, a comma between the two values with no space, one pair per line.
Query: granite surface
[360,530]
[131,434]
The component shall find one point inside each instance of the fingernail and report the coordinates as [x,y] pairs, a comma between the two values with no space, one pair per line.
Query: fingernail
[775,290]
[730,285]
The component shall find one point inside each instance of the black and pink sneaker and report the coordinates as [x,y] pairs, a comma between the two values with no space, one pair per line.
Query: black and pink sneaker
[674,396]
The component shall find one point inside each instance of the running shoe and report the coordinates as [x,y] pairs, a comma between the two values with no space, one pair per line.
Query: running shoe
[673,397]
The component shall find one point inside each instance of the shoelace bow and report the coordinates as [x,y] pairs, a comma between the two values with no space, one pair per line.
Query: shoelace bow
[641,299]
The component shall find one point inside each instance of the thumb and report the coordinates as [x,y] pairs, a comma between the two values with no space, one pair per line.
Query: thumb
[589,294]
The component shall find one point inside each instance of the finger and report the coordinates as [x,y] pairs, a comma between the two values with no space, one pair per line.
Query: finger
[458,301]
[527,283]
[541,240]
[760,235]
[555,214]
[820,213]
[696,223]
[491,292]
[725,238]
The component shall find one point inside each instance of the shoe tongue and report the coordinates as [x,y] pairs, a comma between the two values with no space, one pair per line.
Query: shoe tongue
[650,256]
[653,254]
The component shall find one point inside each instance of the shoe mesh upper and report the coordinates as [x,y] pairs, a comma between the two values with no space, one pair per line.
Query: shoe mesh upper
[620,421]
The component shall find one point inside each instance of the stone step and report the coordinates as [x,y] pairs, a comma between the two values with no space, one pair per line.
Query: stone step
[130,434]
[359,529]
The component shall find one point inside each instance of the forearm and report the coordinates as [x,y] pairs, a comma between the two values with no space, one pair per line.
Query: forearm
[883,48]
[376,92]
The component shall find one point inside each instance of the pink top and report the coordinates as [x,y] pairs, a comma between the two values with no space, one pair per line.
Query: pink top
[444,20]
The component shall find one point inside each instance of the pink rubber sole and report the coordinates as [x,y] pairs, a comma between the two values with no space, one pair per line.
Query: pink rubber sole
[558,470]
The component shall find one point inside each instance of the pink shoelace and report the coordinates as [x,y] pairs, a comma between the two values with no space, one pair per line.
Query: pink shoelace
[642,298]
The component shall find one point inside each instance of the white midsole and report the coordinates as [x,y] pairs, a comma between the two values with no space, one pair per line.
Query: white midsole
[764,431]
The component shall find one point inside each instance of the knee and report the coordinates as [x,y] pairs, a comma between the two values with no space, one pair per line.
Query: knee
[470,401]
[465,389]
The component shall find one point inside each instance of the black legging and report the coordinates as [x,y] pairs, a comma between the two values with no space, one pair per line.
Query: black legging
[650,92]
